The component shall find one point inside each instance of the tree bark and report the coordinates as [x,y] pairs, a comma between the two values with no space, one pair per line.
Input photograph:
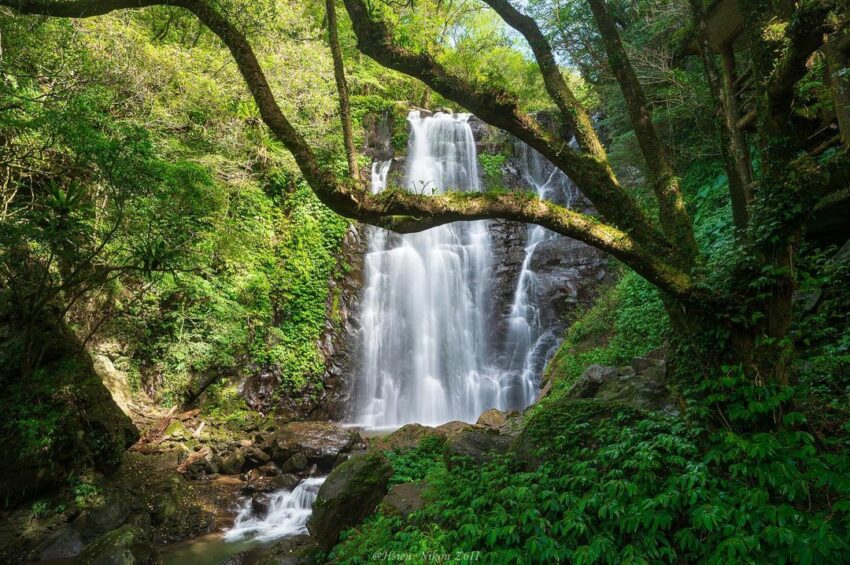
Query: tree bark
[675,220]
[342,90]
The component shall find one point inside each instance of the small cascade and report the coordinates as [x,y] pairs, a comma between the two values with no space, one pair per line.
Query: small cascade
[287,514]
[528,344]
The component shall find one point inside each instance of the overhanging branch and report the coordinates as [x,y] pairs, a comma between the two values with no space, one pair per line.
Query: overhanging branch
[397,210]
[592,175]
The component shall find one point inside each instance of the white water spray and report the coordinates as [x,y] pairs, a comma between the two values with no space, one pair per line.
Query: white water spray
[288,512]
[424,342]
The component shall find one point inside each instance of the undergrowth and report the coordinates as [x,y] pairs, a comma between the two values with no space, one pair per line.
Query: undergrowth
[619,486]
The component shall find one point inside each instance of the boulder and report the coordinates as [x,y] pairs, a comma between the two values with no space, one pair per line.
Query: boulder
[125,546]
[294,550]
[493,418]
[64,543]
[406,437]
[350,493]
[232,463]
[255,457]
[111,514]
[261,484]
[319,442]
[452,429]
[474,445]
[295,464]
[641,385]
[403,499]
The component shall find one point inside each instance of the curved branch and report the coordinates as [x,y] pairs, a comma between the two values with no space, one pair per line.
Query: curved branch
[675,219]
[571,109]
[592,175]
[405,212]
[342,90]
[400,211]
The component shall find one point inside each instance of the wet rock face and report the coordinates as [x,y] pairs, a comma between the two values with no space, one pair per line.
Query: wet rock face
[350,493]
[568,273]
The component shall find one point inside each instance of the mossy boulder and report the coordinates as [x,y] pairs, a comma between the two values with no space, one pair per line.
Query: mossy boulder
[128,545]
[350,493]
[406,437]
[58,417]
[475,446]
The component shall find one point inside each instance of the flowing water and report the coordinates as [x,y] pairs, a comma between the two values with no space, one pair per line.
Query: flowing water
[425,353]
[529,344]
[287,515]
[423,341]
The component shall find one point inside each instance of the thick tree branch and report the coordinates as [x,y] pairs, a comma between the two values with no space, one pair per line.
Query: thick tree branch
[407,212]
[397,210]
[342,89]
[572,111]
[592,175]
[675,220]
[733,144]
[805,36]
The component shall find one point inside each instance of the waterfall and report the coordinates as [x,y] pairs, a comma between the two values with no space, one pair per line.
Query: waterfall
[423,346]
[287,514]
[529,344]
[423,342]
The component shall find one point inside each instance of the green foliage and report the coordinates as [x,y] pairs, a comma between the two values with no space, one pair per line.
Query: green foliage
[491,166]
[141,169]
[85,492]
[627,321]
[615,485]
[415,464]
[223,404]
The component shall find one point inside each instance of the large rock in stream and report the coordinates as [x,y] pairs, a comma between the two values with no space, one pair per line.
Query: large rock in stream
[350,493]
[321,443]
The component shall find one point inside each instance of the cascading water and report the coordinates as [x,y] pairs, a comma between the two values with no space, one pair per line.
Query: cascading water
[424,348]
[423,341]
[287,514]
[529,344]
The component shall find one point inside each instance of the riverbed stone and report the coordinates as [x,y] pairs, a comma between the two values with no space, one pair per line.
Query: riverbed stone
[295,464]
[232,463]
[127,545]
[261,483]
[350,493]
[295,550]
[64,543]
[320,442]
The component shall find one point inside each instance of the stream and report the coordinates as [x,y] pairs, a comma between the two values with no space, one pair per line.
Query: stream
[258,524]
